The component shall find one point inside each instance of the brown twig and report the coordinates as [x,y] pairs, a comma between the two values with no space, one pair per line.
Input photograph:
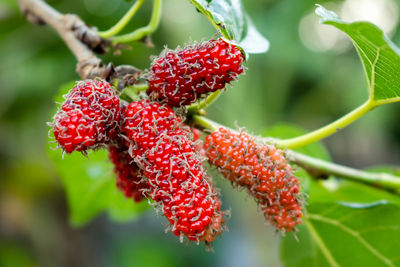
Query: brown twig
[79,38]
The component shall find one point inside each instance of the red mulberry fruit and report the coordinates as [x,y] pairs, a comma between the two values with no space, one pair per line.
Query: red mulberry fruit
[263,170]
[184,75]
[164,150]
[128,174]
[88,118]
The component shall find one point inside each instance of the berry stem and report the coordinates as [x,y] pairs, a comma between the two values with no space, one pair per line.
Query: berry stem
[132,91]
[383,180]
[137,88]
[195,107]
[206,123]
[328,129]
[142,32]
[322,167]
[114,30]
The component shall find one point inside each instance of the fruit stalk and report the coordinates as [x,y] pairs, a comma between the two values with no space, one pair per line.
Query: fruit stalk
[142,32]
[322,167]
[124,20]
[384,180]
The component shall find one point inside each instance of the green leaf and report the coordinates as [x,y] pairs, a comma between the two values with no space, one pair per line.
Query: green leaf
[379,55]
[333,190]
[90,188]
[346,234]
[229,17]
[317,240]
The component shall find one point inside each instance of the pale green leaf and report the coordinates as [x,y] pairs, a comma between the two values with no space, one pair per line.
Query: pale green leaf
[90,188]
[379,55]
[229,17]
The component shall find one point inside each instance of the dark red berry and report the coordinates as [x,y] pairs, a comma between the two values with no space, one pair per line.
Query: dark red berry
[164,150]
[88,118]
[184,75]
[263,170]
[129,176]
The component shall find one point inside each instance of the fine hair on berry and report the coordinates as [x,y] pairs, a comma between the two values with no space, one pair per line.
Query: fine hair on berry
[182,76]
[88,118]
[263,170]
[164,149]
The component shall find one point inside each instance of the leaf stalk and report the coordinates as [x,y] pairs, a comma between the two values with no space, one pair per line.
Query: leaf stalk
[142,32]
[114,30]
[194,108]
[329,129]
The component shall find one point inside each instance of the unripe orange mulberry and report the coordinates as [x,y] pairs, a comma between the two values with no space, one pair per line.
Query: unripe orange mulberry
[263,170]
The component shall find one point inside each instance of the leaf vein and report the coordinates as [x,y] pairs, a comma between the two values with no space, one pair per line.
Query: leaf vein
[355,234]
[321,244]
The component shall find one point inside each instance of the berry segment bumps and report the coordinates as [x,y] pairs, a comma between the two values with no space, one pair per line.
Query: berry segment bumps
[184,75]
[261,169]
[129,178]
[163,148]
[88,118]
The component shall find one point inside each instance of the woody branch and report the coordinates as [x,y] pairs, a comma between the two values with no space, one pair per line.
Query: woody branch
[80,39]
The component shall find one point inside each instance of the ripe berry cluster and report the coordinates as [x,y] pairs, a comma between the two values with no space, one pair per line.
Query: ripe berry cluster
[154,152]
[184,75]
[263,170]
[164,149]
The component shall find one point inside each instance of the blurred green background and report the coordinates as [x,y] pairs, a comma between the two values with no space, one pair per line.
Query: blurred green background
[310,76]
